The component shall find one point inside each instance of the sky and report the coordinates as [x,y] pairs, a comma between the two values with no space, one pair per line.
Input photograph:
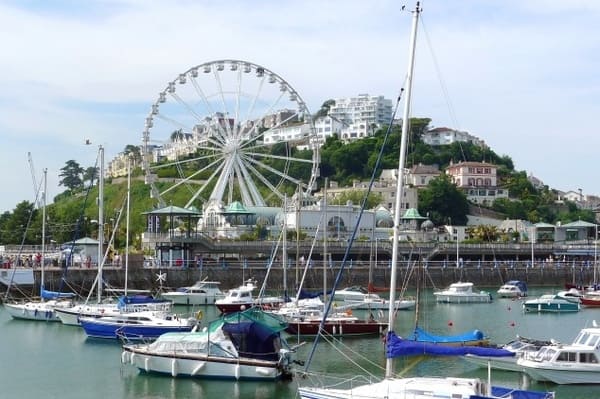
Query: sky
[521,75]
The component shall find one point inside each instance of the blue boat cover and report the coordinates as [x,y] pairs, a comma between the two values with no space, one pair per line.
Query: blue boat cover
[56,295]
[521,284]
[421,335]
[503,392]
[253,339]
[137,299]
[396,346]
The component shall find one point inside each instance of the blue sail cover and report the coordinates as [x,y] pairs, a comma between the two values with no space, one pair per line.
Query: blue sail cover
[55,294]
[253,339]
[421,335]
[396,346]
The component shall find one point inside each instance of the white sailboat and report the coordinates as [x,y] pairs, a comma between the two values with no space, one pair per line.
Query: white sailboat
[43,309]
[391,386]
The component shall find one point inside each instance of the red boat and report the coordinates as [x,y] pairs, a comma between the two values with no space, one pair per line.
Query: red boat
[340,324]
[591,300]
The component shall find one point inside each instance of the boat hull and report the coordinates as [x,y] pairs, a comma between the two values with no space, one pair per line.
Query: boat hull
[355,328]
[202,366]
[98,329]
[37,311]
[545,372]
[497,363]
[475,298]
[191,299]
[551,307]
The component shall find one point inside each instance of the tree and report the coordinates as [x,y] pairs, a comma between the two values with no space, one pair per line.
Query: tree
[444,202]
[324,111]
[357,197]
[71,175]
[90,174]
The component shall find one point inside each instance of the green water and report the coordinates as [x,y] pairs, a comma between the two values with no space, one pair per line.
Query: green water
[50,360]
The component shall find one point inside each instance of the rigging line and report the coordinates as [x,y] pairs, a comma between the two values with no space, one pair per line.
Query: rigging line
[80,221]
[443,86]
[357,224]
[331,339]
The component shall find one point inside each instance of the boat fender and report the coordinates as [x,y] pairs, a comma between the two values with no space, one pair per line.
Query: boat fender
[380,314]
[199,315]
[237,371]
[174,367]
[147,364]
[124,356]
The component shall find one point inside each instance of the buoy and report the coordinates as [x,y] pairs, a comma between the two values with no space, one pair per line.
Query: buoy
[450,323]
[512,323]
[509,309]
[199,315]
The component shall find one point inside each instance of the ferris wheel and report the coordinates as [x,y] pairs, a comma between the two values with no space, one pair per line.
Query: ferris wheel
[227,131]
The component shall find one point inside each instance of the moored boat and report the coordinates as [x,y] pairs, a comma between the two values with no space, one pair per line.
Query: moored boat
[575,363]
[135,326]
[203,292]
[513,289]
[238,346]
[462,292]
[360,298]
[551,303]
[519,347]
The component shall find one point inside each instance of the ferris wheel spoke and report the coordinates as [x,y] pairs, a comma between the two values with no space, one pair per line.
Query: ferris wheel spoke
[186,106]
[188,178]
[249,181]
[257,154]
[273,170]
[184,161]
[209,108]
[223,103]
[265,181]
[243,183]
[221,183]
[174,122]
[205,185]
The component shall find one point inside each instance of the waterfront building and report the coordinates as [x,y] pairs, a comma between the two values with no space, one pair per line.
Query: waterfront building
[446,136]
[478,180]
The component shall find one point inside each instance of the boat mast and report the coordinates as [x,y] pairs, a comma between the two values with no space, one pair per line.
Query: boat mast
[43,258]
[100,222]
[389,365]
[127,222]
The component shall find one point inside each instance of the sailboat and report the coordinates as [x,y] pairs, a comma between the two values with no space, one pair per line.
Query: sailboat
[72,314]
[44,309]
[416,387]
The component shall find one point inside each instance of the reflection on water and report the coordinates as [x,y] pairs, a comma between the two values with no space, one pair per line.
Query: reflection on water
[49,360]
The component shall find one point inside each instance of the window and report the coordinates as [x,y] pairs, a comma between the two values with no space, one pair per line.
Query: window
[588,358]
[567,357]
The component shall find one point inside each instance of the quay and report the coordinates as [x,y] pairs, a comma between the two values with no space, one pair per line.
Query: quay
[439,264]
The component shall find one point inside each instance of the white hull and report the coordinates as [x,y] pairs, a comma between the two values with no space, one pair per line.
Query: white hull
[498,363]
[474,298]
[380,305]
[70,316]
[405,388]
[588,374]
[191,299]
[38,311]
[203,366]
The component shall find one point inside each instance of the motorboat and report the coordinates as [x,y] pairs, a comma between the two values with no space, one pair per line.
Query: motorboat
[575,363]
[136,326]
[462,292]
[241,298]
[238,346]
[572,295]
[551,303]
[203,292]
[360,298]
[125,304]
[513,289]
[520,347]
[591,299]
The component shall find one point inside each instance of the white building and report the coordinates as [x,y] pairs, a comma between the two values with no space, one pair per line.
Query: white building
[361,115]
[447,136]
[478,180]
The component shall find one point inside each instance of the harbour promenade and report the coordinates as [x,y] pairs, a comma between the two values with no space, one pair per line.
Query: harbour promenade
[437,264]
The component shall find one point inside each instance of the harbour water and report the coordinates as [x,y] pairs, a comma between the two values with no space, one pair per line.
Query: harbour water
[51,360]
